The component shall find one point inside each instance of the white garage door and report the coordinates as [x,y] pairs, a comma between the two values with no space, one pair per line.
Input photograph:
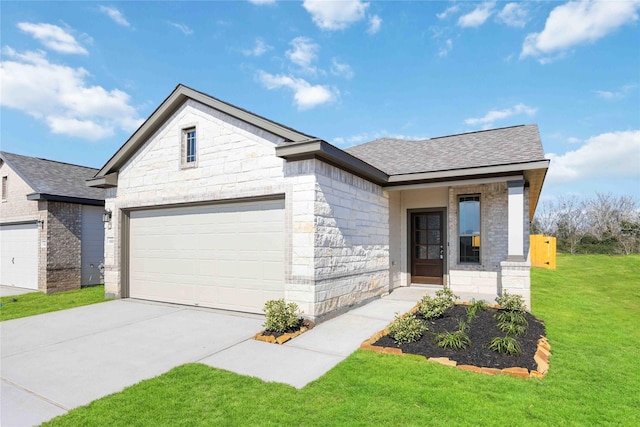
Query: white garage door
[227,256]
[19,255]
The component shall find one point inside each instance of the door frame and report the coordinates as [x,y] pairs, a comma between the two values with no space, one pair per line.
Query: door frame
[445,242]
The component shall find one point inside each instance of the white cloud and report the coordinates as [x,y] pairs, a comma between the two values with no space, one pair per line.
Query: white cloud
[259,49]
[335,15]
[374,24]
[262,2]
[448,11]
[477,16]
[305,96]
[578,22]
[618,94]
[608,155]
[53,37]
[341,69]
[514,15]
[303,54]
[496,115]
[182,27]
[115,15]
[444,50]
[60,96]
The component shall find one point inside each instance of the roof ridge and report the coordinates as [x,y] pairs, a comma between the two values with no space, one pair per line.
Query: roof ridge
[475,131]
[49,160]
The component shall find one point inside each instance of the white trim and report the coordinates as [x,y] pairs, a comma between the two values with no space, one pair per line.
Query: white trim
[461,182]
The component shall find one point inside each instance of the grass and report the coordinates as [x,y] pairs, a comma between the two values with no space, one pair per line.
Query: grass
[16,306]
[591,306]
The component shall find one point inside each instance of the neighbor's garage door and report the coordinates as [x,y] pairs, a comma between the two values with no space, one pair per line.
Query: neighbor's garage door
[227,256]
[19,255]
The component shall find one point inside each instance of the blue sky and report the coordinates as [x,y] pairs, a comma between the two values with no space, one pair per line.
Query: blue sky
[77,78]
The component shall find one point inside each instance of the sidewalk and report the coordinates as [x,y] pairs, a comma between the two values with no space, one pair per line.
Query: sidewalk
[310,355]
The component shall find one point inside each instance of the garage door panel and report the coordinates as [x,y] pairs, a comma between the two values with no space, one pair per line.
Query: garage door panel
[227,256]
[19,255]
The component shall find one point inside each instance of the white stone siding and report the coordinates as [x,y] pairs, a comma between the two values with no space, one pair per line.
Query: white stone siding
[340,238]
[234,160]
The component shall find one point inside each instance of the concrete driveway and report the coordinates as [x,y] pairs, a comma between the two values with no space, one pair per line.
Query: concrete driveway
[58,361]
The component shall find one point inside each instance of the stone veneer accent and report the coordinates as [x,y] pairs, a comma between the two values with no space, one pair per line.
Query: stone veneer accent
[494,274]
[339,237]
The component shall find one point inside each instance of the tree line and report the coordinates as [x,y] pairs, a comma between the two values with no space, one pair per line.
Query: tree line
[602,224]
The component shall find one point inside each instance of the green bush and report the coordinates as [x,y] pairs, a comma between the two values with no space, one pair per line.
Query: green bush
[457,340]
[280,316]
[506,345]
[406,329]
[432,308]
[474,308]
[511,302]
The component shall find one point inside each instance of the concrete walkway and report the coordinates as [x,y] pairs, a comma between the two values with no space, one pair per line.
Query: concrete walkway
[58,361]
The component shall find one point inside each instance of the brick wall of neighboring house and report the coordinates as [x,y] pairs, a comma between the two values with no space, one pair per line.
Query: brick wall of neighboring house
[16,207]
[339,236]
[63,228]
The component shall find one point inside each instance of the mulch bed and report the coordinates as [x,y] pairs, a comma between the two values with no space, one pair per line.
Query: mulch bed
[481,331]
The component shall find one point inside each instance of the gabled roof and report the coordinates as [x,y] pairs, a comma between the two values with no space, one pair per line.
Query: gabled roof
[55,181]
[505,146]
[107,176]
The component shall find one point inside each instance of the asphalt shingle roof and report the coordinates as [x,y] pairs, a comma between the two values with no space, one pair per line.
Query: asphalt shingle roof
[494,147]
[54,178]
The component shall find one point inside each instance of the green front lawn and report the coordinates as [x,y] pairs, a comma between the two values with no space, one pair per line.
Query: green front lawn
[591,306]
[13,307]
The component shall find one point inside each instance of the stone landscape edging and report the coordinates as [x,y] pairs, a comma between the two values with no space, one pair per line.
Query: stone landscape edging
[543,353]
[282,338]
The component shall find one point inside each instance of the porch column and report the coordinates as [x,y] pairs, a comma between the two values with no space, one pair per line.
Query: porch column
[516,221]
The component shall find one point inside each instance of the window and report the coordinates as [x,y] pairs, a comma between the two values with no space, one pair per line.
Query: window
[469,211]
[189,147]
[4,187]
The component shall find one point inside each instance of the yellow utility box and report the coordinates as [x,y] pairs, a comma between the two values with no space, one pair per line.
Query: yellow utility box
[543,251]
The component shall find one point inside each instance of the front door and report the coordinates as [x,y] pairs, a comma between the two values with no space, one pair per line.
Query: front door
[427,247]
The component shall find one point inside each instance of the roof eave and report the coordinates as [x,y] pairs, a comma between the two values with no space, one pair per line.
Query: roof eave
[105,181]
[322,150]
[467,172]
[65,199]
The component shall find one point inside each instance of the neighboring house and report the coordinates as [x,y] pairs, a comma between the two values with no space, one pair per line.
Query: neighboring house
[218,207]
[51,229]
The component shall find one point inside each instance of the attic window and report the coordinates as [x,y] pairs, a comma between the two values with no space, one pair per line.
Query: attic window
[4,187]
[189,147]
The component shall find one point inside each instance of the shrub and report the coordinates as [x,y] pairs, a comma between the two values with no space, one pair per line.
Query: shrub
[432,308]
[512,328]
[511,302]
[280,316]
[406,329]
[506,345]
[457,340]
[474,308]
